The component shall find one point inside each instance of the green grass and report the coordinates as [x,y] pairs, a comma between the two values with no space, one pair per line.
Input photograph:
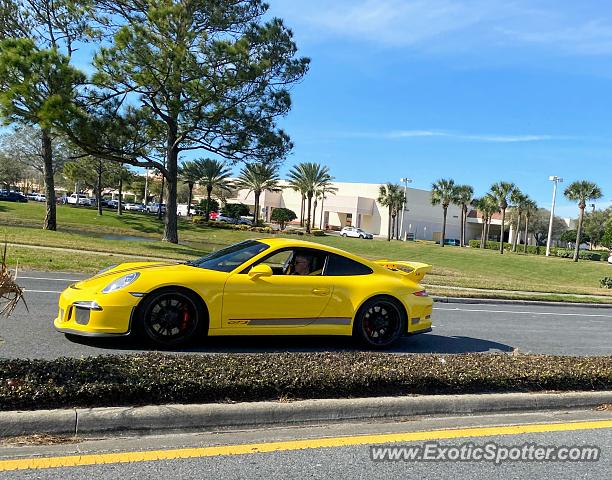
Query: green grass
[81,228]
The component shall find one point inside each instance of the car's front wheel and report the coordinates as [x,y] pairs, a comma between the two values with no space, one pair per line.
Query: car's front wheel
[379,323]
[171,317]
[344,235]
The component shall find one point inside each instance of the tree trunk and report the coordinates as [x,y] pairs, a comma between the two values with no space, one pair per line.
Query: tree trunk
[120,205]
[526,234]
[389,227]
[50,215]
[314,213]
[208,200]
[170,221]
[484,230]
[309,212]
[444,227]
[302,210]
[579,233]
[501,243]
[99,188]
[257,195]
[398,233]
[161,198]
[190,185]
[321,220]
[516,233]
[462,235]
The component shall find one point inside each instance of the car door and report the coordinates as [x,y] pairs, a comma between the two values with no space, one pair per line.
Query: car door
[281,300]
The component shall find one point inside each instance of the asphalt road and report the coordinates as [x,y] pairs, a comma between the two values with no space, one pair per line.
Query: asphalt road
[326,451]
[458,328]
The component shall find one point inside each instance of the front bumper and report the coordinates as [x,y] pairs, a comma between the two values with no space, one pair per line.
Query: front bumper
[88,313]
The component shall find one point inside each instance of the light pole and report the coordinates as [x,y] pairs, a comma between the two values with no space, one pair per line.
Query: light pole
[406,181]
[556,180]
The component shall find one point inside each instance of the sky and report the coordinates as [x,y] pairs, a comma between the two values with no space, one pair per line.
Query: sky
[475,90]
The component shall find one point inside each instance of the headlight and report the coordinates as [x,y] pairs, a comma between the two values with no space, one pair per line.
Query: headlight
[121,282]
[105,270]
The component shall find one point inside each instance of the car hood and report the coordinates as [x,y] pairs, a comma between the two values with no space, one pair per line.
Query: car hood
[107,276]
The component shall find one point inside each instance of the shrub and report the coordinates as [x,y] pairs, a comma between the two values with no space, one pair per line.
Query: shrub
[606,282]
[318,233]
[282,216]
[163,378]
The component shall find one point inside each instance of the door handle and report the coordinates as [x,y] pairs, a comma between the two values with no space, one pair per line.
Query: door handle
[320,291]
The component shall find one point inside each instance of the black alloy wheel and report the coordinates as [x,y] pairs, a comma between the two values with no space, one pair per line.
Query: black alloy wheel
[171,318]
[379,323]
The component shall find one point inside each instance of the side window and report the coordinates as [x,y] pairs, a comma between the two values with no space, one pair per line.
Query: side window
[298,261]
[279,261]
[339,266]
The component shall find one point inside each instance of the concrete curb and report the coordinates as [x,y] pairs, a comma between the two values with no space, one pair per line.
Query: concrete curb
[502,301]
[161,418]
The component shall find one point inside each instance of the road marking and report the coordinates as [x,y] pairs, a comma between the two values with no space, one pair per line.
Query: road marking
[245,449]
[524,313]
[42,291]
[20,277]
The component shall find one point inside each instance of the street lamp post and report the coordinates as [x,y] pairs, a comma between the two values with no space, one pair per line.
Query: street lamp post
[406,181]
[556,180]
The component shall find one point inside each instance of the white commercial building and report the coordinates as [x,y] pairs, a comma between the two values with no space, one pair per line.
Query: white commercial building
[355,204]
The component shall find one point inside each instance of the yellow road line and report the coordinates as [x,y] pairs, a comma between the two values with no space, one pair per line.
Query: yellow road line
[152,455]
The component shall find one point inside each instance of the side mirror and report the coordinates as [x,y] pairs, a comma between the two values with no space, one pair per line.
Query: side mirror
[261,270]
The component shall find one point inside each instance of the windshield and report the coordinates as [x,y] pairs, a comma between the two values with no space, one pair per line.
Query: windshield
[227,259]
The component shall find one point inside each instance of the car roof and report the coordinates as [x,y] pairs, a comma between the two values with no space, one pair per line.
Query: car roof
[290,242]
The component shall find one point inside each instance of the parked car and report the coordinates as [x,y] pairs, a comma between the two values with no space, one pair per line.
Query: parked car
[245,221]
[78,199]
[453,242]
[13,197]
[224,218]
[154,207]
[40,197]
[31,196]
[181,210]
[135,207]
[355,233]
[610,258]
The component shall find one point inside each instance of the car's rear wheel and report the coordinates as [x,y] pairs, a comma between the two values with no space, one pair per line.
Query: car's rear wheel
[344,234]
[379,323]
[171,317]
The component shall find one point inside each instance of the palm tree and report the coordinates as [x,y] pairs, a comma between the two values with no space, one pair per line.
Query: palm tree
[258,178]
[215,175]
[529,208]
[325,190]
[444,192]
[297,181]
[309,178]
[582,192]
[387,197]
[190,173]
[465,195]
[502,192]
[398,206]
[518,199]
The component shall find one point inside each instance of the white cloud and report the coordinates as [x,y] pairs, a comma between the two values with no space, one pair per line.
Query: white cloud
[493,138]
[450,25]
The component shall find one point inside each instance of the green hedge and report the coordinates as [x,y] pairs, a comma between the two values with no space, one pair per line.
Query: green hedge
[231,226]
[606,282]
[541,250]
[163,378]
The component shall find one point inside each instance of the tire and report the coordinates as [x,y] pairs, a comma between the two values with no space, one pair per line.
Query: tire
[171,317]
[344,235]
[361,237]
[379,323]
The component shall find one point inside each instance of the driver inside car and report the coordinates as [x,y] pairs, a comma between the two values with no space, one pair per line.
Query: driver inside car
[303,264]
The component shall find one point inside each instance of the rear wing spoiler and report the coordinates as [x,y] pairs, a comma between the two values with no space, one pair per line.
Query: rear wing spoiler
[412,270]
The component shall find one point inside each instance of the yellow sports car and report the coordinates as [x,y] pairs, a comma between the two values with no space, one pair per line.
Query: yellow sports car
[256,287]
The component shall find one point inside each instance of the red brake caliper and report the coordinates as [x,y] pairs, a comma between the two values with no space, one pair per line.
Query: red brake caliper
[185,319]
